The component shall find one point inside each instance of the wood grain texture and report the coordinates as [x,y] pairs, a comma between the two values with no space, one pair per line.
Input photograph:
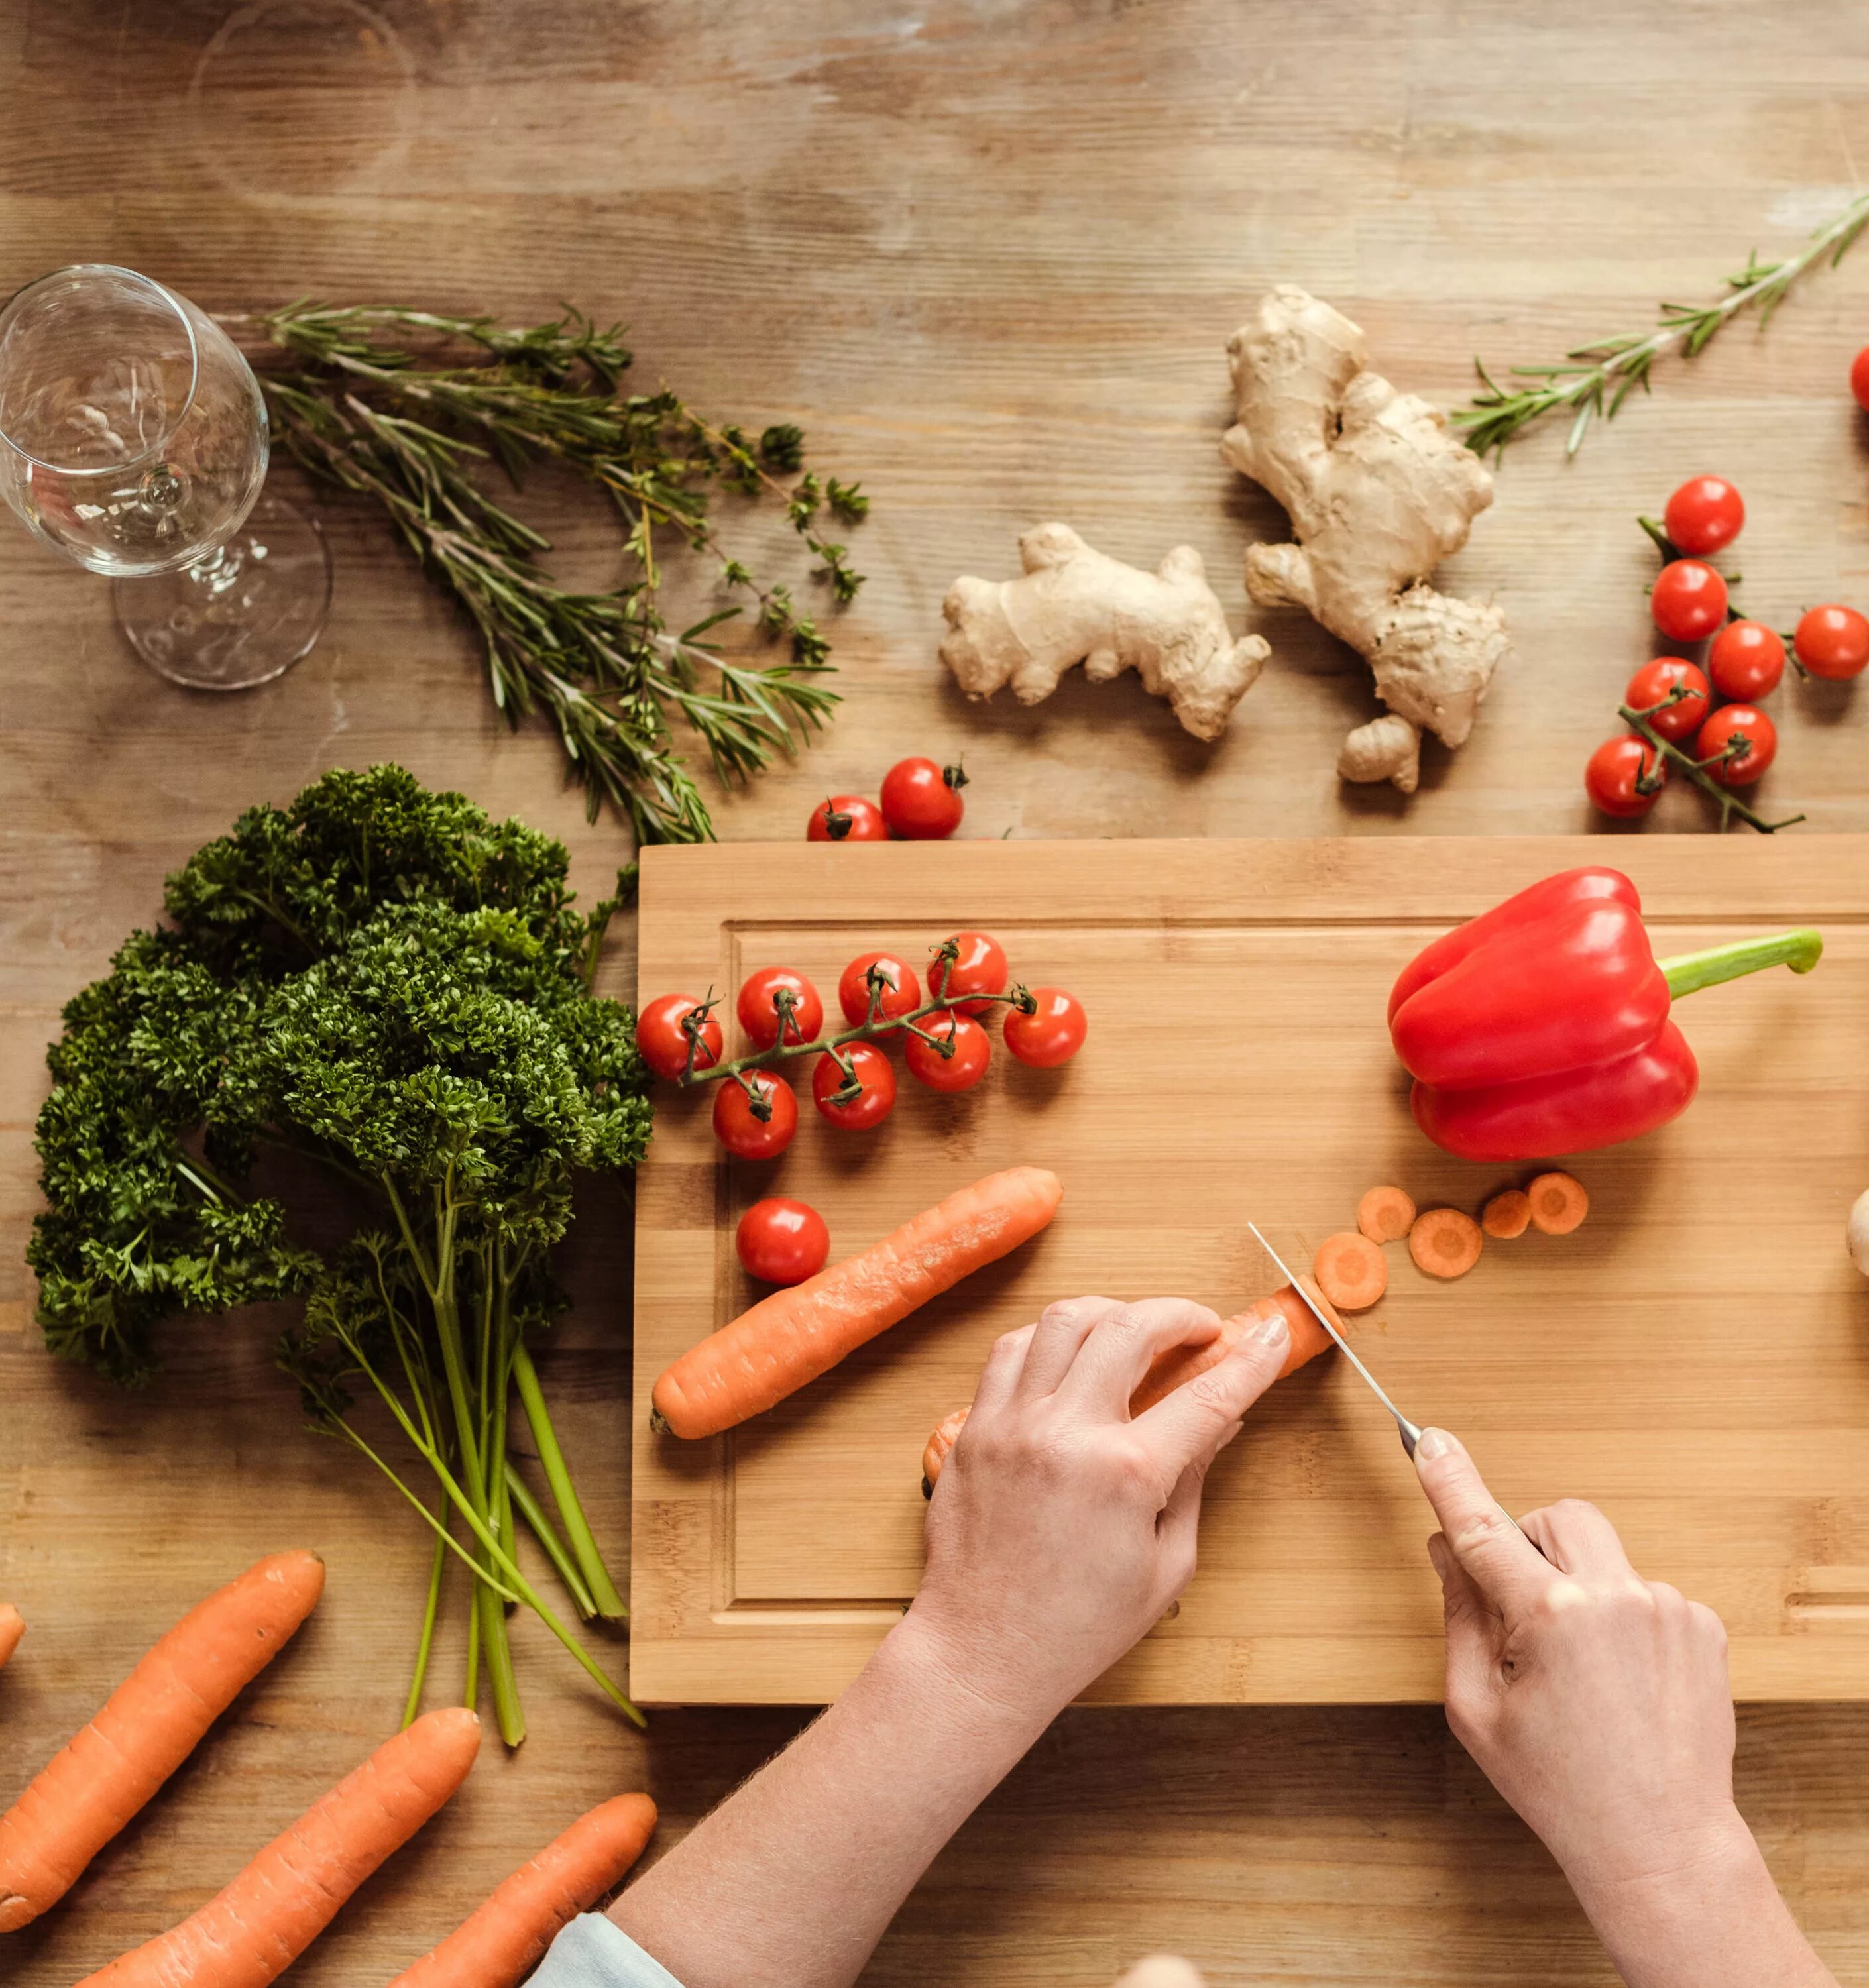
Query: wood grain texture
[988,254]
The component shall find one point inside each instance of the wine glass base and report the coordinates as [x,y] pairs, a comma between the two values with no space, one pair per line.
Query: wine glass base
[243,615]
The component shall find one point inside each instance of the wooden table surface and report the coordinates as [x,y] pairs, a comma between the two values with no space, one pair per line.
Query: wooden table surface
[988,256]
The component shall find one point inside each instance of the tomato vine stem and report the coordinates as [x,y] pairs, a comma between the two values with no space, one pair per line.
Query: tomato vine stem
[1696,769]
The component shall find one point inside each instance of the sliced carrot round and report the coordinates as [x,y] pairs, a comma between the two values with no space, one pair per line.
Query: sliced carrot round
[1350,1270]
[1385,1214]
[1507,1215]
[1445,1242]
[1559,1203]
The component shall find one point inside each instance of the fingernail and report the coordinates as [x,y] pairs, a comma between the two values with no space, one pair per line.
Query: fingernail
[1273,1331]
[1435,1442]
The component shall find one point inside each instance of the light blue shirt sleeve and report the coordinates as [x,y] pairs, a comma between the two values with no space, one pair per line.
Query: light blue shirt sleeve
[593,1952]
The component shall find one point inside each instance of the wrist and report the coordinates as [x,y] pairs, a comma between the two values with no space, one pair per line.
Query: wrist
[1653,1862]
[987,1692]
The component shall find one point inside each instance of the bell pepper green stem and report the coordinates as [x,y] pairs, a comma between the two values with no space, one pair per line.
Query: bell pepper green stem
[1687,972]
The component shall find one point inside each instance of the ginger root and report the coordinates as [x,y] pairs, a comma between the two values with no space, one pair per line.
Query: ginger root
[1073,605]
[1380,492]
[1388,748]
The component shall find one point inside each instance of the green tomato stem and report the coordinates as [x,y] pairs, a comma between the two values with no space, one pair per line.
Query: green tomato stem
[1687,972]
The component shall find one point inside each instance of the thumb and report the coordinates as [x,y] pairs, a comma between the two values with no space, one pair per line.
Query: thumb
[1473,1628]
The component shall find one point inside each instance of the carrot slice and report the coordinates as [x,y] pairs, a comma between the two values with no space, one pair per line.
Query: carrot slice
[1559,1203]
[1350,1270]
[12,1627]
[1445,1242]
[1385,1214]
[1507,1215]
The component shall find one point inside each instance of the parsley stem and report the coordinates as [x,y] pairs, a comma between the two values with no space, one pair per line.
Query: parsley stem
[605,1598]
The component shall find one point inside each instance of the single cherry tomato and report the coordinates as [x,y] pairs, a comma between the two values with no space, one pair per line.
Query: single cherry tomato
[1052,1033]
[900,989]
[1689,600]
[955,1060]
[1858,377]
[662,1032]
[1651,686]
[921,801]
[1623,777]
[978,967]
[782,1241]
[1705,514]
[1746,660]
[1832,643]
[738,1123]
[758,1007]
[868,1100]
[1738,721]
[846,818]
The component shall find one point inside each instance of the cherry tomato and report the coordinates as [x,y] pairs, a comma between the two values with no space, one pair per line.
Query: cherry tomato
[1832,643]
[782,1241]
[1738,721]
[757,1007]
[1746,660]
[978,967]
[1689,600]
[846,818]
[1705,514]
[1649,688]
[875,1075]
[1623,777]
[932,1064]
[739,1127]
[921,801]
[1858,377]
[663,1040]
[1052,1033]
[901,990]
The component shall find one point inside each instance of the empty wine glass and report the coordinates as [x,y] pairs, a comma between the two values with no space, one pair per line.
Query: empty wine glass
[133,438]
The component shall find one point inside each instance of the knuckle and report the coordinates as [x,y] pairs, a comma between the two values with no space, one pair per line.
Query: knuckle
[1474,1532]
[1212,1389]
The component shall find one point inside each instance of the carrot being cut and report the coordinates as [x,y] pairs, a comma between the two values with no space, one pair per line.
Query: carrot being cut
[1445,1242]
[794,1336]
[1350,1270]
[147,1728]
[1385,1214]
[1507,1215]
[498,1945]
[250,1931]
[12,1627]
[1559,1203]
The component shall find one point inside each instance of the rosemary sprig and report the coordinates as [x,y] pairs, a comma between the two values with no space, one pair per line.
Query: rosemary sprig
[374,399]
[1598,377]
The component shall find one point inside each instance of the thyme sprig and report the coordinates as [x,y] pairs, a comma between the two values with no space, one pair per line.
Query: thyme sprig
[1595,379]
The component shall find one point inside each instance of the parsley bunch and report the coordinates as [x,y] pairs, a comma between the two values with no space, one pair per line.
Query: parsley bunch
[379,980]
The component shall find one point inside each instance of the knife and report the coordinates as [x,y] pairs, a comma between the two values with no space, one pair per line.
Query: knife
[1410,1433]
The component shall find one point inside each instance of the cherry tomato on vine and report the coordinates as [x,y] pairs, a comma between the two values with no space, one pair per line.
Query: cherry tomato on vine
[757,1007]
[1052,1033]
[870,1103]
[1832,643]
[782,1241]
[957,1058]
[901,990]
[846,818]
[1623,777]
[921,801]
[663,1041]
[1746,660]
[1650,689]
[1858,377]
[739,1127]
[1705,514]
[1738,721]
[1689,600]
[978,967]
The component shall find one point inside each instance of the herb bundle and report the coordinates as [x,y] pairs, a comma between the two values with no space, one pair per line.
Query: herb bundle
[359,395]
[379,980]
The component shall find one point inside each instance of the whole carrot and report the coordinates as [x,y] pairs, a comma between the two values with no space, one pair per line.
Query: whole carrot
[250,1931]
[12,1627]
[147,1727]
[496,1946]
[794,1335]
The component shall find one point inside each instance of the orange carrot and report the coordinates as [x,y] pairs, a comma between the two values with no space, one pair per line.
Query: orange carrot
[1507,1215]
[252,1929]
[12,1627]
[1559,1203]
[1350,1270]
[795,1335]
[147,1727]
[498,1945]
[1176,1367]
[1385,1215]
[1445,1242]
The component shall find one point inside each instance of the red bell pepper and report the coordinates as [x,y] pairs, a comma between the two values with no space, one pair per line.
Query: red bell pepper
[1541,1027]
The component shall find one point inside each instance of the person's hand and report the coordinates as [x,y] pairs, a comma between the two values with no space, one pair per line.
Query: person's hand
[1061,1529]
[1596,1703]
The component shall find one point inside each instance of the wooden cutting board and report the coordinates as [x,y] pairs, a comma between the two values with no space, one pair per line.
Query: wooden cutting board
[1695,1359]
